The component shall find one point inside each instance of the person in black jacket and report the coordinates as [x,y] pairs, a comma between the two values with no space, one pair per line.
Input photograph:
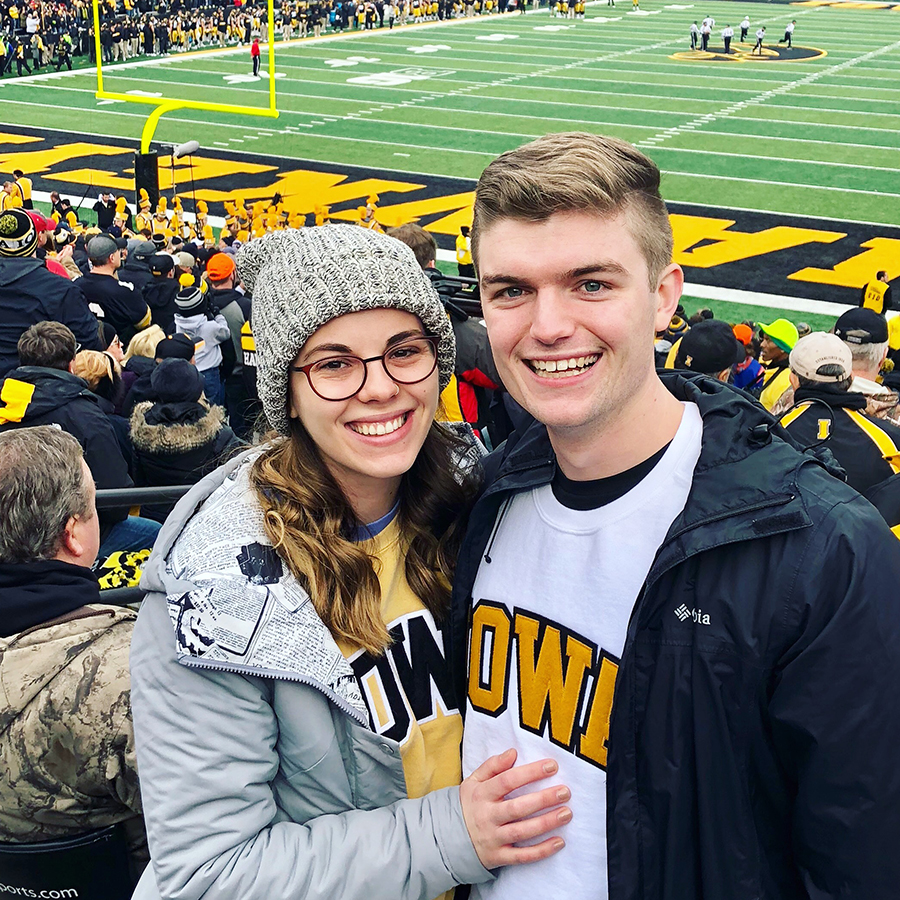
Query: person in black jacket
[476,388]
[136,268]
[827,412]
[160,293]
[105,207]
[658,589]
[29,293]
[179,438]
[224,298]
[121,304]
[43,391]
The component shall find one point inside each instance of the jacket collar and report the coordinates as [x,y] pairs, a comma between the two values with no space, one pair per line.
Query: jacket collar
[747,468]
[830,395]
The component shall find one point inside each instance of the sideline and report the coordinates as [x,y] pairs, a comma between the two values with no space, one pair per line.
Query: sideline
[243,49]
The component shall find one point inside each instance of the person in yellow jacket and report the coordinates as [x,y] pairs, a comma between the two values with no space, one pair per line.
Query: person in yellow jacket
[464,253]
[143,220]
[10,198]
[777,341]
[876,295]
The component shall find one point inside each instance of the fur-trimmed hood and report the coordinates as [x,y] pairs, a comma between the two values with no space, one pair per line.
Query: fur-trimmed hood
[175,437]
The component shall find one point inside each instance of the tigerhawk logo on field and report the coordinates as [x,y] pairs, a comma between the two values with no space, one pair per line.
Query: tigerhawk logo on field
[700,617]
[744,54]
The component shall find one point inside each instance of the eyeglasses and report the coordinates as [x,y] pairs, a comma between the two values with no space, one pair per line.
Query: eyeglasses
[342,377]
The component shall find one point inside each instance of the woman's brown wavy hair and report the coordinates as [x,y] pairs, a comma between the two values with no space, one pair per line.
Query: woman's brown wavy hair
[310,522]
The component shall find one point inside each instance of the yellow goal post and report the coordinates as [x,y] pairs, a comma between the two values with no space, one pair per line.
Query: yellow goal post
[169,104]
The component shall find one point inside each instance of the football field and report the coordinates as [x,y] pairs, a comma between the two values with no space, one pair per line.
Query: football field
[812,131]
[817,135]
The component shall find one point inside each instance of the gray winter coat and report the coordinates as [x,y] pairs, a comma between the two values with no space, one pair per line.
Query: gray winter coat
[260,776]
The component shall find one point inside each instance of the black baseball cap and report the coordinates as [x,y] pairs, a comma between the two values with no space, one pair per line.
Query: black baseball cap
[861,326]
[161,263]
[709,348]
[176,346]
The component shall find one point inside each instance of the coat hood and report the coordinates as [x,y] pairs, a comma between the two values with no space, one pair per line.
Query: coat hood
[57,646]
[176,436]
[140,365]
[32,391]
[11,270]
[233,604]
[881,401]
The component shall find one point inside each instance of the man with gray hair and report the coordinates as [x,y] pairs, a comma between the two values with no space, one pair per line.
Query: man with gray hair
[866,334]
[67,741]
[122,306]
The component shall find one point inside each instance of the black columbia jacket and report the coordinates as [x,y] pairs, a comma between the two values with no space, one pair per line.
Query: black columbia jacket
[754,734]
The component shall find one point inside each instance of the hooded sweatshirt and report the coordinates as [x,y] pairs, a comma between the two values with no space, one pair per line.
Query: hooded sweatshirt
[178,443]
[881,401]
[206,335]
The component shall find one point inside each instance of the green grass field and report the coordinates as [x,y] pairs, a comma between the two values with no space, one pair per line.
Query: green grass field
[818,136]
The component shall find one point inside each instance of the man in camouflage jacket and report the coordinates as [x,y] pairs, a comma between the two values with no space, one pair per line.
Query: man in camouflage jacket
[67,761]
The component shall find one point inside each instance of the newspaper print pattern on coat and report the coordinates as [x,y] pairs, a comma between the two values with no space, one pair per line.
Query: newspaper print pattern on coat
[235,606]
[67,758]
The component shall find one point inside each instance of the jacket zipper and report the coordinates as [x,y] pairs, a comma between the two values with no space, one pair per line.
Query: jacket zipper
[339,702]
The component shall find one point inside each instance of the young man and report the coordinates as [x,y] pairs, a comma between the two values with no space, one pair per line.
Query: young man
[876,294]
[776,342]
[789,33]
[654,541]
[760,36]
[727,35]
[745,27]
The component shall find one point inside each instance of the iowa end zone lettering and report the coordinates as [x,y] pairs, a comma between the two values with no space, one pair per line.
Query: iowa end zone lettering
[565,683]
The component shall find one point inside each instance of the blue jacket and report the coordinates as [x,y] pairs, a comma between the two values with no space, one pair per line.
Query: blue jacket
[753,757]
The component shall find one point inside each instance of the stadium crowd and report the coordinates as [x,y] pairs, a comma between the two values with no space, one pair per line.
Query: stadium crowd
[36,34]
[149,350]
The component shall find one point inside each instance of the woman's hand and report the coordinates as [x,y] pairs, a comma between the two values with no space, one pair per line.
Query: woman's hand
[496,824]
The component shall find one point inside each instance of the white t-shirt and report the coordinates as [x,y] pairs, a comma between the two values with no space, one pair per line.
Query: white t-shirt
[558,594]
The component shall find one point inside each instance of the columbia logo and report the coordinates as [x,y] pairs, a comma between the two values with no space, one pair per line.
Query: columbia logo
[698,616]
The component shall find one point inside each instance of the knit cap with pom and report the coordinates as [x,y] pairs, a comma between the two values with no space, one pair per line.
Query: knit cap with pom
[302,278]
[189,300]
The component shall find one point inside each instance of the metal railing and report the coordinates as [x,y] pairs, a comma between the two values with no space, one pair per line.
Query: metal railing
[125,498]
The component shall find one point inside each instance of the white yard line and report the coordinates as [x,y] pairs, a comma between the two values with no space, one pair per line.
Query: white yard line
[741,106]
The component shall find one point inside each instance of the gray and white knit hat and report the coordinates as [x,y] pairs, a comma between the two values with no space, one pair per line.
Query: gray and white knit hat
[302,278]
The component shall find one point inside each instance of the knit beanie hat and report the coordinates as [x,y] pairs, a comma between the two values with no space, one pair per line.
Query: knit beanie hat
[302,278]
[18,236]
[176,381]
[189,300]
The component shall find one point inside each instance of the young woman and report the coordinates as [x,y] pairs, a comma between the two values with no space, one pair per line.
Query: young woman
[297,726]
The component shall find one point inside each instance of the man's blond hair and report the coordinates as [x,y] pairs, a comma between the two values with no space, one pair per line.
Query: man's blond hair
[577,172]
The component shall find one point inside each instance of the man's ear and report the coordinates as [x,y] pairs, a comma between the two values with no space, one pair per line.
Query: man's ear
[668,293]
[70,546]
